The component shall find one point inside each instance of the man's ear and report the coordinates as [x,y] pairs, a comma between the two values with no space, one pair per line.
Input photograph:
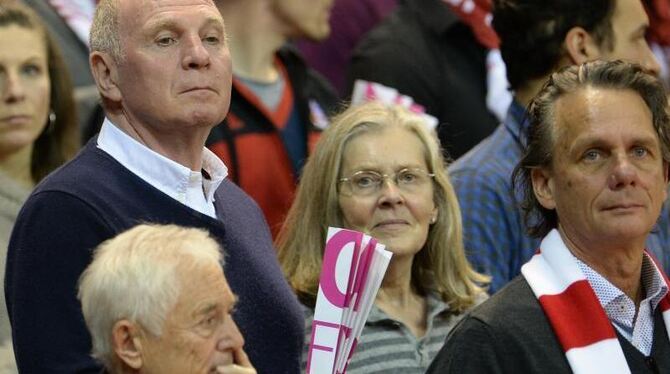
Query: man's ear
[127,343]
[580,46]
[543,187]
[105,72]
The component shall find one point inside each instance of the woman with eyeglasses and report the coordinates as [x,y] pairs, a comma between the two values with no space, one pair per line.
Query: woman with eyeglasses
[377,169]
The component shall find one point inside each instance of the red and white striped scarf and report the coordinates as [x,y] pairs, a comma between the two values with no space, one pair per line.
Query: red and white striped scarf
[574,312]
[477,15]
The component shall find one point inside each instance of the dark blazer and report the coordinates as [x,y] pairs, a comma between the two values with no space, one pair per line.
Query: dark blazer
[509,333]
[423,50]
[93,198]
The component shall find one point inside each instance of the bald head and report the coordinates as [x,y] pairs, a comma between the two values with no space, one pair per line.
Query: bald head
[147,53]
[106,28]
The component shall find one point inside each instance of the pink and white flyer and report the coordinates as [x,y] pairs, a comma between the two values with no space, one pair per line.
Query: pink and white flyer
[353,267]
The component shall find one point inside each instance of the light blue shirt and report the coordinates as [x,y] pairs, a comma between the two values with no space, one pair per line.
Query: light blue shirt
[620,309]
[173,179]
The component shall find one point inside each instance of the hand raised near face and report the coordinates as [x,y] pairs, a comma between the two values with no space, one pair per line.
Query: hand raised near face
[241,364]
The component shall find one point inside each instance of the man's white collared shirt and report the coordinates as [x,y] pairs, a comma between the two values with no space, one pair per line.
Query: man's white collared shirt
[620,309]
[175,180]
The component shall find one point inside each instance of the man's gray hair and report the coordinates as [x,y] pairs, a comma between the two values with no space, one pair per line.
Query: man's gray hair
[615,75]
[136,276]
[104,36]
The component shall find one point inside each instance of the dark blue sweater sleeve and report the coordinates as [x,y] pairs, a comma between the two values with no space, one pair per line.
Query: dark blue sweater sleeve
[50,247]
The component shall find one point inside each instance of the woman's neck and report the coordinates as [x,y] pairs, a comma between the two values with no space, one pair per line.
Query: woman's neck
[399,299]
[397,283]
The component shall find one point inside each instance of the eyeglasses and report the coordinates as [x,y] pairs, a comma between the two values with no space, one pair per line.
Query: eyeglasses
[368,182]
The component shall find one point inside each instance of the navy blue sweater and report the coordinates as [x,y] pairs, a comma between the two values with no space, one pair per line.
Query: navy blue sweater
[93,198]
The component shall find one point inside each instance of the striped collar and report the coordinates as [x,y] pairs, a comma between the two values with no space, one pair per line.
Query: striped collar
[434,305]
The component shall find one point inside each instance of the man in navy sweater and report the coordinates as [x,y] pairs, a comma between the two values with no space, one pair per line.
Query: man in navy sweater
[163,71]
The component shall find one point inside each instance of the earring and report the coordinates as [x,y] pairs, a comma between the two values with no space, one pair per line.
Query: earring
[51,124]
[433,220]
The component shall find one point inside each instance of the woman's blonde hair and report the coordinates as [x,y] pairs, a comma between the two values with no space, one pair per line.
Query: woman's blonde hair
[439,267]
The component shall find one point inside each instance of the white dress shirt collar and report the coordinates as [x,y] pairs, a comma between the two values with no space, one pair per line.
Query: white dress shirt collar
[175,180]
[635,324]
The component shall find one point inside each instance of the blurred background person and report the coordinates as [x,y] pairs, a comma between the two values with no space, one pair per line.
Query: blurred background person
[69,23]
[38,129]
[350,20]
[155,300]
[436,52]
[378,170]
[658,35]
[278,105]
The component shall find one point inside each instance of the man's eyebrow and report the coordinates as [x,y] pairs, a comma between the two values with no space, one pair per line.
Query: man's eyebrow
[647,141]
[596,142]
[233,305]
[216,22]
[164,24]
[210,307]
[205,309]
[169,24]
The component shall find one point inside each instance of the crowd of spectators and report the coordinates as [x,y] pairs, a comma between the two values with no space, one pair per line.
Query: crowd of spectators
[169,169]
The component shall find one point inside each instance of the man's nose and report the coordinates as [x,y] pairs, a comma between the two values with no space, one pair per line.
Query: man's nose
[231,337]
[195,54]
[13,89]
[650,63]
[623,173]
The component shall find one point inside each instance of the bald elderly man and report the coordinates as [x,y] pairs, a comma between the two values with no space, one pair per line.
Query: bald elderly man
[163,70]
